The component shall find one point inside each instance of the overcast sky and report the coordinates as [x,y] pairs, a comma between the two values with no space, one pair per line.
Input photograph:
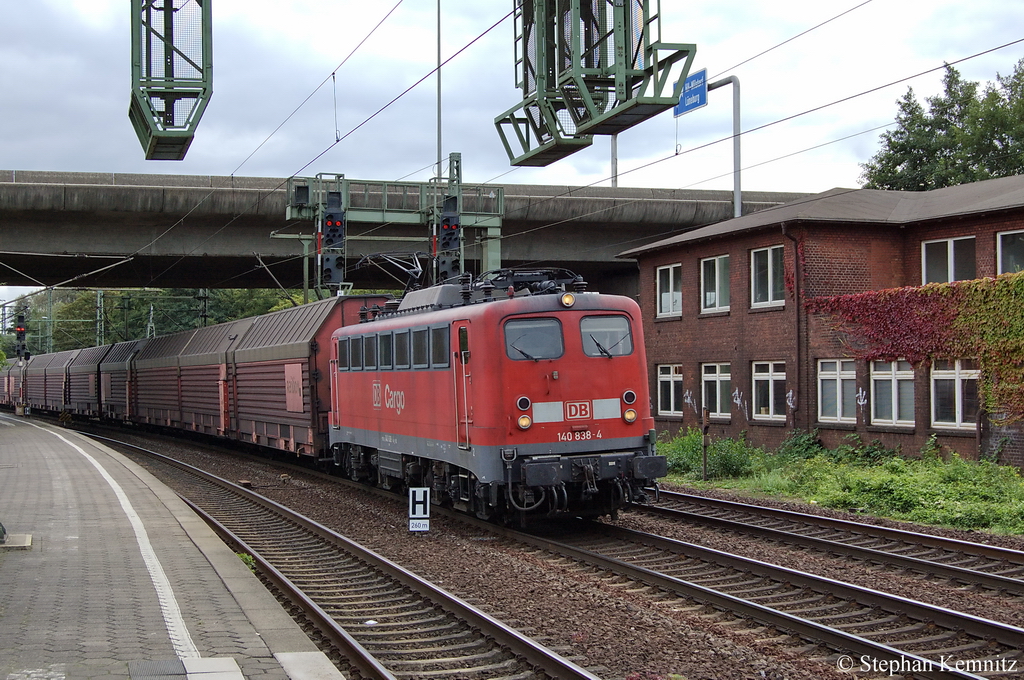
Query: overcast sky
[65,83]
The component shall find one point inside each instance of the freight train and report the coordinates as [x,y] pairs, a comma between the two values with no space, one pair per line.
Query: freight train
[512,401]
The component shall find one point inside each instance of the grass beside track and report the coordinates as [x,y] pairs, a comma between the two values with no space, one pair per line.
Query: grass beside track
[932,487]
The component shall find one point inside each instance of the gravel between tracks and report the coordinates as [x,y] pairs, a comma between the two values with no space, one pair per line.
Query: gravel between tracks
[623,632]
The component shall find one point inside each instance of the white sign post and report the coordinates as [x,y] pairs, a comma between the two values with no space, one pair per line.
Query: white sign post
[419,508]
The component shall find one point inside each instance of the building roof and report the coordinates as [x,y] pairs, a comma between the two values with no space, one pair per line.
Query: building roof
[865,206]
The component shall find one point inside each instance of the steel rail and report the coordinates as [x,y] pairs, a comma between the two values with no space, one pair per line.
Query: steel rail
[979,549]
[950,571]
[805,628]
[535,654]
[357,655]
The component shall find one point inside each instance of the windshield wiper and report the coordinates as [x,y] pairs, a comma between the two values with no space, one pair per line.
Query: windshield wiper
[601,347]
[512,345]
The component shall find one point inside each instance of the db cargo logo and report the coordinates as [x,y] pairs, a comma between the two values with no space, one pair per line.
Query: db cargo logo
[577,410]
[376,394]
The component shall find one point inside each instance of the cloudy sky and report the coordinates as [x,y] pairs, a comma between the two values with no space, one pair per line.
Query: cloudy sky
[65,82]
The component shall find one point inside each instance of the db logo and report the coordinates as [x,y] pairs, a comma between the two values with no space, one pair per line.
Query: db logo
[376,394]
[577,410]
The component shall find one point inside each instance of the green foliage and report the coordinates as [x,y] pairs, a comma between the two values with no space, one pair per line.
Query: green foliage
[964,136]
[962,319]
[128,315]
[863,477]
[726,457]
[248,560]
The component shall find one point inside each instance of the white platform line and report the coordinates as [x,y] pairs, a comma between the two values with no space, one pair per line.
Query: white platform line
[184,647]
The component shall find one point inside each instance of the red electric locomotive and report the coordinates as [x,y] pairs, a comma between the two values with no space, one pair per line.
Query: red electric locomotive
[506,406]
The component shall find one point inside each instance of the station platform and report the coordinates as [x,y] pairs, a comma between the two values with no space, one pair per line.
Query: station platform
[118,578]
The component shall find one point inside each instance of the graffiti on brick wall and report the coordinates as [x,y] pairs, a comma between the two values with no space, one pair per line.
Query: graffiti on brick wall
[741,403]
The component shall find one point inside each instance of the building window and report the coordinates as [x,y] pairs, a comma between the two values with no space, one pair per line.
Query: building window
[837,391]
[714,284]
[670,290]
[769,390]
[670,390]
[946,260]
[1010,245]
[717,389]
[892,393]
[767,283]
[955,393]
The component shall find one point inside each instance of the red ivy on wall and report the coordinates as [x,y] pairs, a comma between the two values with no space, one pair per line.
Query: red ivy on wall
[983,318]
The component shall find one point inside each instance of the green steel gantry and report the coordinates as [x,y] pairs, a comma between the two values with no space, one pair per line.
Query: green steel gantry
[587,67]
[172,73]
[480,209]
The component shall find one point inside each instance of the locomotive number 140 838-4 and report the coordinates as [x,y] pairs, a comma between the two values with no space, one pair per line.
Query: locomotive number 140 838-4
[578,435]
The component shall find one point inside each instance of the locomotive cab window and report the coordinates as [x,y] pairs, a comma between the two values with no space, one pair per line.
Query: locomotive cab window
[606,336]
[533,339]
[342,354]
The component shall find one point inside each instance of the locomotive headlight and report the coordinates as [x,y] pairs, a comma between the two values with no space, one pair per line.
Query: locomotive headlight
[568,299]
[629,415]
[525,422]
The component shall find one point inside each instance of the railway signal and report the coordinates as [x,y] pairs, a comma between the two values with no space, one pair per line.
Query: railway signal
[334,231]
[332,245]
[450,232]
[19,335]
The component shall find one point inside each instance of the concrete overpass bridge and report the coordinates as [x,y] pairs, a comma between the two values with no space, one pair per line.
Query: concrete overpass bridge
[108,230]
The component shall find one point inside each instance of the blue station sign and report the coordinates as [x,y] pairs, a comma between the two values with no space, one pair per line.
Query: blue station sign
[694,94]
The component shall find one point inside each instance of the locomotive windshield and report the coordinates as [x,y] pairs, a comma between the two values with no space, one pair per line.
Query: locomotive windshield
[606,336]
[533,339]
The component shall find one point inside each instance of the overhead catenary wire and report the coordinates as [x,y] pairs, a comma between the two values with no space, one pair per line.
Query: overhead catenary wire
[339,138]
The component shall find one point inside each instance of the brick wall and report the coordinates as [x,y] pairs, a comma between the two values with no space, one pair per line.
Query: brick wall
[832,259]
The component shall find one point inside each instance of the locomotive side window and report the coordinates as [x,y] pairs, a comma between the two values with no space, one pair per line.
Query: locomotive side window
[355,353]
[533,339]
[606,336]
[370,351]
[402,349]
[439,354]
[385,350]
[420,350]
[342,354]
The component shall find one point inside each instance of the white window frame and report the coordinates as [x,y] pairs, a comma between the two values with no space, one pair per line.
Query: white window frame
[671,375]
[999,250]
[951,260]
[773,373]
[721,381]
[773,276]
[835,377]
[720,266]
[897,374]
[961,375]
[675,301]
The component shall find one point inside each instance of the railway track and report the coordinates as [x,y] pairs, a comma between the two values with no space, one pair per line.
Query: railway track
[888,632]
[988,566]
[387,622]
[868,626]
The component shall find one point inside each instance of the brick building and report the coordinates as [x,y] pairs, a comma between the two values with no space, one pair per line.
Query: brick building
[724,330]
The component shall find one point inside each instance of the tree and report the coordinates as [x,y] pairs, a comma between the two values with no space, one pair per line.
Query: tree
[964,136]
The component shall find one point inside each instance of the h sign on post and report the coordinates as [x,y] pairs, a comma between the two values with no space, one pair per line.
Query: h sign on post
[419,508]
[695,93]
